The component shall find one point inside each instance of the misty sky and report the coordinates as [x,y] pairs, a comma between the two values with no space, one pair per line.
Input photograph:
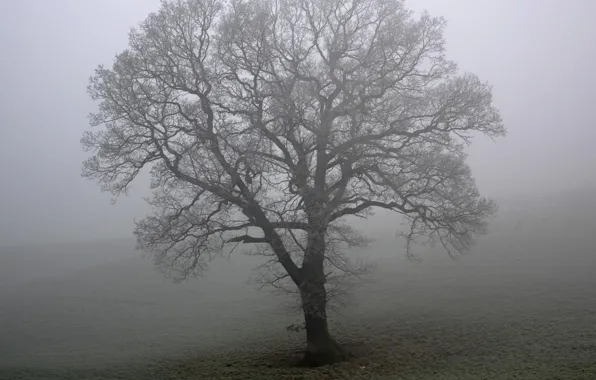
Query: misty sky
[538,54]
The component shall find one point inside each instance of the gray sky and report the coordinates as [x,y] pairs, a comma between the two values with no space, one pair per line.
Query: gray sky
[538,54]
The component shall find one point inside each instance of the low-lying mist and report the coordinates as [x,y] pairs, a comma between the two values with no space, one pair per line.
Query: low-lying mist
[87,304]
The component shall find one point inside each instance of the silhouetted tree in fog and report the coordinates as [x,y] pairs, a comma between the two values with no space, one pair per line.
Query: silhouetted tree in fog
[270,122]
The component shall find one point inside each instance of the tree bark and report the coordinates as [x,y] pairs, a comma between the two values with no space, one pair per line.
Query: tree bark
[321,349]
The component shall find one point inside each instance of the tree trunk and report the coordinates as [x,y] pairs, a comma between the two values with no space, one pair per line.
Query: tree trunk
[321,349]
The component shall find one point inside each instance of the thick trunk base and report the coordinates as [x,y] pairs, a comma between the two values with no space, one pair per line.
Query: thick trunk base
[321,349]
[323,354]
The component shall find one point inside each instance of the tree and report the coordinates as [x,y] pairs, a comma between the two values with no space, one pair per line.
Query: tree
[272,122]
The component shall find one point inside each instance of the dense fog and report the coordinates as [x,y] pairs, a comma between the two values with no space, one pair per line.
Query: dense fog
[76,294]
[537,58]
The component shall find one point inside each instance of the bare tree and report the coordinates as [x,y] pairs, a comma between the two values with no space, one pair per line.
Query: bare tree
[270,122]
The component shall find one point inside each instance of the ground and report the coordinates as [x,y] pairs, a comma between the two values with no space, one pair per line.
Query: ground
[523,308]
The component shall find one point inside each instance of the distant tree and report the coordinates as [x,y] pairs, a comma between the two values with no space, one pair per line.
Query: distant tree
[271,122]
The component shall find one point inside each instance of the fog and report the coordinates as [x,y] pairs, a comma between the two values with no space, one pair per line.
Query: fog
[519,304]
[64,247]
[538,55]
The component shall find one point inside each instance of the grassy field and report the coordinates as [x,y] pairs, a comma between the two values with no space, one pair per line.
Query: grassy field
[518,307]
